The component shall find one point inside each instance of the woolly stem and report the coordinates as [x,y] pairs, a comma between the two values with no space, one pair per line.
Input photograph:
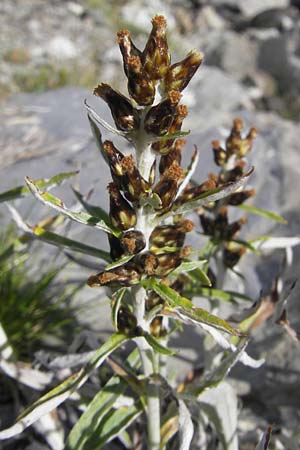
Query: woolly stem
[145,159]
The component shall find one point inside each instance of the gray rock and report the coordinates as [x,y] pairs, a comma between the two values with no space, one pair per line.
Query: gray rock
[211,96]
[278,57]
[234,53]
[61,48]
[250,8]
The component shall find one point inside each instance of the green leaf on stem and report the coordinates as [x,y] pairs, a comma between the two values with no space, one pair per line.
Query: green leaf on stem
[41,233]
[119,262]
[218,294]
[63,242]
[166,137]
[207,197]
[188,266]
[213,378]
[91,209]
[114,422]
[98,137]
[95,416]
[262,212]
[154,343]
[62,392]
[183,308]
[116,303]
[23,191]
[54,202]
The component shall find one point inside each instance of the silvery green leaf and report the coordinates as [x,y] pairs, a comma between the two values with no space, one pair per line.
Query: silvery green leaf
[215,376]
[54,202]
[23,191]
[226,345]
[265,440]
[49,237]
[98,137]
[184,309]
[119,262]
[270,243]
[207,197]
[113,423]
[95,413]
[117,297]
[218,294]
[94,117]
[62,392]
[91,209]
[221,406]
[190,172]
[186,427]
[155,344]
[262,212]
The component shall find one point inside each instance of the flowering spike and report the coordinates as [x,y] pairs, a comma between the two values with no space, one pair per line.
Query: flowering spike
[180,74]
[156,58]
[126,117]
[173,155]
[121,213]
[164,147]
[160,117]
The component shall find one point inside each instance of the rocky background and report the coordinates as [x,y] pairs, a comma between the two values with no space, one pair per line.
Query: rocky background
[53,52]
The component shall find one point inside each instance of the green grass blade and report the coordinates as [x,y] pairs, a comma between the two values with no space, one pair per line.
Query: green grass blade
[60,393]
[84,218]
[23,191]
[262,212]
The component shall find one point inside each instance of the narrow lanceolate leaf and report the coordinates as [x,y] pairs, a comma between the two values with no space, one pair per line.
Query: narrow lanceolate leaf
[265,440]
[218,294]
[226,345]
[183,308]
[114,422]
[186,427]
[168,430]
[95,415]
[117,299]
[80,217]
[63,391]
[23,191]
[154,343]
[215,377]
[93,116]
[98,137]
[166,137]
[190,172]
[199,316]
[262,212]
[271,243]
[44,235]
[119,262]
[210,196]
[220,405]
[64,242]
[188,266]
[91,209]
